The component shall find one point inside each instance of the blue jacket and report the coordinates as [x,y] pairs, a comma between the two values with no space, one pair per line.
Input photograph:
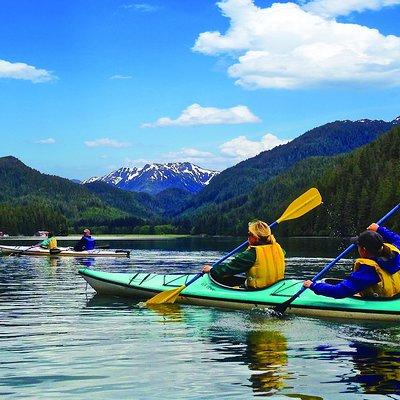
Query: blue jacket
[85,243]
[365,276]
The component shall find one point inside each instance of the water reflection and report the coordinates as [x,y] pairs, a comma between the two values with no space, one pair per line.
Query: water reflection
[86,262]
[376,370]
[266,355]
[263,350]
[262,345]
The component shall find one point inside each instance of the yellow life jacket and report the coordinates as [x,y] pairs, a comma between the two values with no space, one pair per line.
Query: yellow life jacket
[389,284]
[268,268]
[53,243]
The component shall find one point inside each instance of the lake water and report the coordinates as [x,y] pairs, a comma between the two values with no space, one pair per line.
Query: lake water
[60,340]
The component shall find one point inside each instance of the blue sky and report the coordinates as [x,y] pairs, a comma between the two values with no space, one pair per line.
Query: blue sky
[90,86]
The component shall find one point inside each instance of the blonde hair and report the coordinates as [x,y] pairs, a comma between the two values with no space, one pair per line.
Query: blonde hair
[261,231]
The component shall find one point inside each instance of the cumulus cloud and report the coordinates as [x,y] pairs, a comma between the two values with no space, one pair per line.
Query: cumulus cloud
[288,46]
[198,115]
[24,71]
[106,142]
[334,8]
[242,148]
[121,77]
[46,141]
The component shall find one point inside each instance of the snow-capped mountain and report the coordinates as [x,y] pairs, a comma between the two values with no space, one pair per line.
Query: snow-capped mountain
[154,178]
[396,121]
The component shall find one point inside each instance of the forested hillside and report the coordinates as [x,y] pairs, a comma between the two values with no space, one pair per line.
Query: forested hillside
[136,203]
[357,188]
[30,201]
[327,140]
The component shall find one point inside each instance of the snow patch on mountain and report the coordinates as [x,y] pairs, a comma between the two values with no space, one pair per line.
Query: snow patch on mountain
[153,178]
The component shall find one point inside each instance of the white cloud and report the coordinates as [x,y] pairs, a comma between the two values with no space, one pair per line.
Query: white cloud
[201,158]
[230,152]
[106,142]
[24,71]
[287,46]
[242,148]
[334,8]
[136,162]
[143,7]
[121,77]
[46,141]
[198,115]
[188,154]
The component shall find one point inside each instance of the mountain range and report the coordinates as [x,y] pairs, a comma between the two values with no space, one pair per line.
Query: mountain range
[154,178]
[355,164]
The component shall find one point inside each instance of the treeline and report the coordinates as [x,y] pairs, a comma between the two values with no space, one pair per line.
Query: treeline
[363,187]
[31,201]
[27,219]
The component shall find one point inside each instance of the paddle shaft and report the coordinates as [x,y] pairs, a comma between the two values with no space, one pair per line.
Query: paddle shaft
[19,252]
[333,262]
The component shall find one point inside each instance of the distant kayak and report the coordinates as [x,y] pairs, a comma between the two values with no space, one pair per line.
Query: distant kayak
[64,252]
[206,292]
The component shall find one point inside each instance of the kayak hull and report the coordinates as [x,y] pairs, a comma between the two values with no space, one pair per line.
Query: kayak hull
[205,292]
[65,252]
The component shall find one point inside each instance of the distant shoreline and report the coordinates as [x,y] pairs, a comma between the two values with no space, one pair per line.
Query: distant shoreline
[97,237]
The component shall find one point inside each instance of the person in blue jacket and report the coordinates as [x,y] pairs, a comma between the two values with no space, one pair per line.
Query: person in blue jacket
[86,242]
[376,272]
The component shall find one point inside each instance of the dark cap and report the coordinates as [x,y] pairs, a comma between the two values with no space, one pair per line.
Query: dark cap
[370,240]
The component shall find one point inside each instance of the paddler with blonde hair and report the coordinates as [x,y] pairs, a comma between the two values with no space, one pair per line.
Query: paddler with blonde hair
[263,261]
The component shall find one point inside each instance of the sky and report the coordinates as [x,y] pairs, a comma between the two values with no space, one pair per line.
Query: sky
[89,86]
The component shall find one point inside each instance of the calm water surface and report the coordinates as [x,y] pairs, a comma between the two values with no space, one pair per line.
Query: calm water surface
[59,339]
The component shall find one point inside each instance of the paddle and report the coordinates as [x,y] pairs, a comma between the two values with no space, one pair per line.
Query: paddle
[20,252]
[103,247]
[302,205]
[127,252]
[55,251]
[52,252]
[281,308]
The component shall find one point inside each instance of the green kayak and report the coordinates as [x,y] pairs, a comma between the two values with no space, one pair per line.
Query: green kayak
[207,292]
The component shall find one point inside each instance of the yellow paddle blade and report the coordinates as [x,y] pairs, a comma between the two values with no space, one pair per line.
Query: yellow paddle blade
[302,205]
[167,297]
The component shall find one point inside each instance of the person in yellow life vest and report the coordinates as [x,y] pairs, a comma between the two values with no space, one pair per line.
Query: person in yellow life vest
[376,272]
[49,243]
[263,261]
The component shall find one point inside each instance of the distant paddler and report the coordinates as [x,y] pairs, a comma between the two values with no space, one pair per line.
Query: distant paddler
[49,243]
[86,242]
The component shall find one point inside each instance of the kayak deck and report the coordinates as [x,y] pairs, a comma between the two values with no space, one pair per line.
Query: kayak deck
[65,252]
[206,292]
